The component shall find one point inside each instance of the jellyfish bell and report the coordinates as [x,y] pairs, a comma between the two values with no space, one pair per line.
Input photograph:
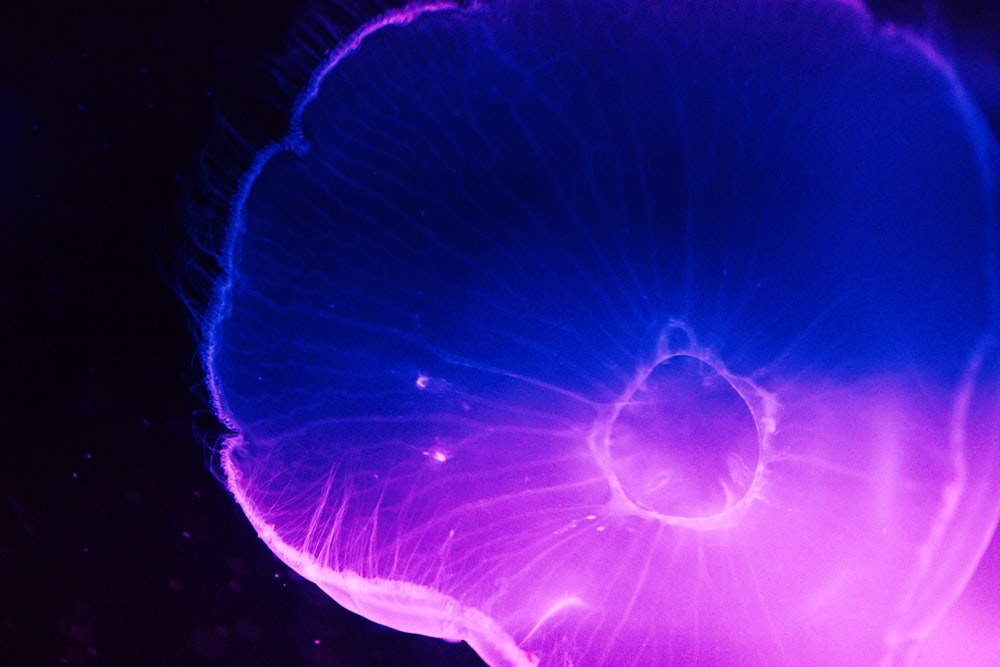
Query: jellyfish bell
[621,333]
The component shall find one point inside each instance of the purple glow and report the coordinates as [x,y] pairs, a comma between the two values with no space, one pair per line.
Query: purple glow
[625,333]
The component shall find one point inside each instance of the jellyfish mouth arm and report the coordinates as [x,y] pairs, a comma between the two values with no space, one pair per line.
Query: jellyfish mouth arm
[937,554]
[559,606]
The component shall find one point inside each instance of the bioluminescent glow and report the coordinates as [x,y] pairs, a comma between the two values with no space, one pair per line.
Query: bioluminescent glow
[599,332]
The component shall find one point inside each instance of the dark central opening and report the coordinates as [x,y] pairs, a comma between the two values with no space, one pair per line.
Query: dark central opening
[684,443]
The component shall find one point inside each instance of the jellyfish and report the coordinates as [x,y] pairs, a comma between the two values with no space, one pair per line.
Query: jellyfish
[621,333]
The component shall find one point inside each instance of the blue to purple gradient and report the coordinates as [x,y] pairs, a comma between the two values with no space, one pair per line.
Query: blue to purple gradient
[623,333]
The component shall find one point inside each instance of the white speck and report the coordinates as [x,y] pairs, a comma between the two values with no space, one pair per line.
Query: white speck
[438,455]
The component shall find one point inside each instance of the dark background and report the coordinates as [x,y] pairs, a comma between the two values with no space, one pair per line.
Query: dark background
[117,544]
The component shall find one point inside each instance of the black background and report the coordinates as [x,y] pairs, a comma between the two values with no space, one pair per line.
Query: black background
[117,544]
